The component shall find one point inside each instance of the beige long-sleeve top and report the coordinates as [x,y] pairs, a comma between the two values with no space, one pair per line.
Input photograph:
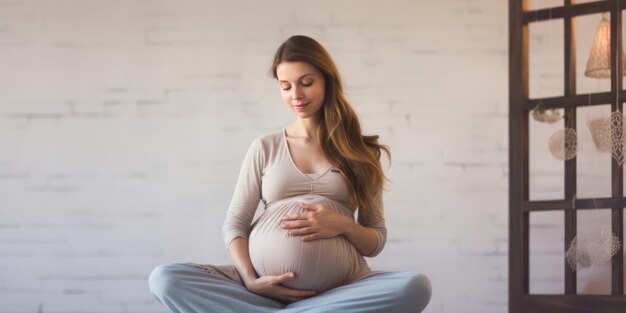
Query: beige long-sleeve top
[269,174]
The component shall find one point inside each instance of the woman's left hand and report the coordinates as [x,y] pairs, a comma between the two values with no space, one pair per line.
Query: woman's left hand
[317,223]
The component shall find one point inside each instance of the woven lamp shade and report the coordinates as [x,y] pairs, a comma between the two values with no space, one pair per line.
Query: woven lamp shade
[599,62]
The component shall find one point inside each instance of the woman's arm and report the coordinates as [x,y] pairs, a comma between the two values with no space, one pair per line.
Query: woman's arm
[364,239]
[237,226]
[375,220]
[238,251]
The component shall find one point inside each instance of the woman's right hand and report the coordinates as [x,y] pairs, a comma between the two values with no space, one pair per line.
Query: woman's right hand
[267,286]
[270,286]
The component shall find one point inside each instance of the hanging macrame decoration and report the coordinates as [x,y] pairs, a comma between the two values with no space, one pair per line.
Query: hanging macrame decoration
[593,250]
[549,116]
[609,245]
[616,124]
[600,129]
[563,144]
[575,255]
[545,115]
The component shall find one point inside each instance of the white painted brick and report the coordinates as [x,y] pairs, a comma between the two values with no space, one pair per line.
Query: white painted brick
[312,31]
[123,126]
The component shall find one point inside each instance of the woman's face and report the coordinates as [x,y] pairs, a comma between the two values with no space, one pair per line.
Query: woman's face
[301,87]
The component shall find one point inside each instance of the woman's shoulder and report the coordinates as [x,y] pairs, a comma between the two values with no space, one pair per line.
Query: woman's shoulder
[268,141]
[269,138]
[270,135]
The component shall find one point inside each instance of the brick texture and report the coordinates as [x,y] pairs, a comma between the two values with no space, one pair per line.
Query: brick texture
[123,125]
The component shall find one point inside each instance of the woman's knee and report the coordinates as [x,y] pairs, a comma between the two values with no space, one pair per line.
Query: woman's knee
[419,288]
[162,279]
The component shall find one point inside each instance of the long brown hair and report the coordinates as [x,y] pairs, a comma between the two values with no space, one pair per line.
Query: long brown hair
[356,155]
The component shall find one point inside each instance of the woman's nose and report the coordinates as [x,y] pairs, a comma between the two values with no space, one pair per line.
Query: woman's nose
[296,92]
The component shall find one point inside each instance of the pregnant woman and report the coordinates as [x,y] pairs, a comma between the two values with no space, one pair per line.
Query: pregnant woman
[305,253]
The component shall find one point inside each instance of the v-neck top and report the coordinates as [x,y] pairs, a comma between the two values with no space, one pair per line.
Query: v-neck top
[290,157]
[269,174]
[282,179]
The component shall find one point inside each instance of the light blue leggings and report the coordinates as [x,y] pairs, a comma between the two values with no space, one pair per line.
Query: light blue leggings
[185,288]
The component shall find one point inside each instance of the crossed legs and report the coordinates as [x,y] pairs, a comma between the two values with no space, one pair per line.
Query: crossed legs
[188,288]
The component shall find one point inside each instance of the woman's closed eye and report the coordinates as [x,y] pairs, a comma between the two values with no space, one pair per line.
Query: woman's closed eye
[305,85]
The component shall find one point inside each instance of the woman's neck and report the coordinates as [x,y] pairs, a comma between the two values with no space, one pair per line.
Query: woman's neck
[304,128]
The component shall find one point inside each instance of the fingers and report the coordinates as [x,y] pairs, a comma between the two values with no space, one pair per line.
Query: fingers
[282,278]
[270,286]
[289,294]
[310,237]
[295,217]
[295,224]
[293,295]
[304,293]
[310,206]
[301,231]
[299,216]
[301,294]
[290,299]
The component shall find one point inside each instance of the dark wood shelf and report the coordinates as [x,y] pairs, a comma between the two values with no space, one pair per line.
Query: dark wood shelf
[579,204]
[575,303]
[520,301]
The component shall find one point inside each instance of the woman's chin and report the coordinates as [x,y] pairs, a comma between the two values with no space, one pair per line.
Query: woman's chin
[305,114]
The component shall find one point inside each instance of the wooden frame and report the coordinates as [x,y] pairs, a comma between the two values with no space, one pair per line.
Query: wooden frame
[520,300]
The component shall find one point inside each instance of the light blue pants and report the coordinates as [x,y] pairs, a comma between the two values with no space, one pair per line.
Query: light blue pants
[185,288]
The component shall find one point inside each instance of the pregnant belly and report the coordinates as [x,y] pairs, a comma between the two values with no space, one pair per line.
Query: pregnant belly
[318,264]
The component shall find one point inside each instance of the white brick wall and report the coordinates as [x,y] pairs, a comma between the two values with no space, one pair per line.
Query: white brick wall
[123,125]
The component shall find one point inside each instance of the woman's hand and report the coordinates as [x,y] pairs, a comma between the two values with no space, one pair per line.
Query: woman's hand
[269,286]
[317,223]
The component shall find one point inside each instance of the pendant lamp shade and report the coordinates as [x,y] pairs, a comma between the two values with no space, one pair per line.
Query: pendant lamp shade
[599,62]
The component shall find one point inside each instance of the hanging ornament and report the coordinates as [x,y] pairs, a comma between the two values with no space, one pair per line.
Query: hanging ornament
[599,61]
[575,255]
[595,250]
[600,129]
[563,144]
[583,258]
[542,114]
[549,116]
[608,245]
[617,136]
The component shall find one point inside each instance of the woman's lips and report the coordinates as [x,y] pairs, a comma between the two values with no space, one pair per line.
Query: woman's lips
[300,107]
